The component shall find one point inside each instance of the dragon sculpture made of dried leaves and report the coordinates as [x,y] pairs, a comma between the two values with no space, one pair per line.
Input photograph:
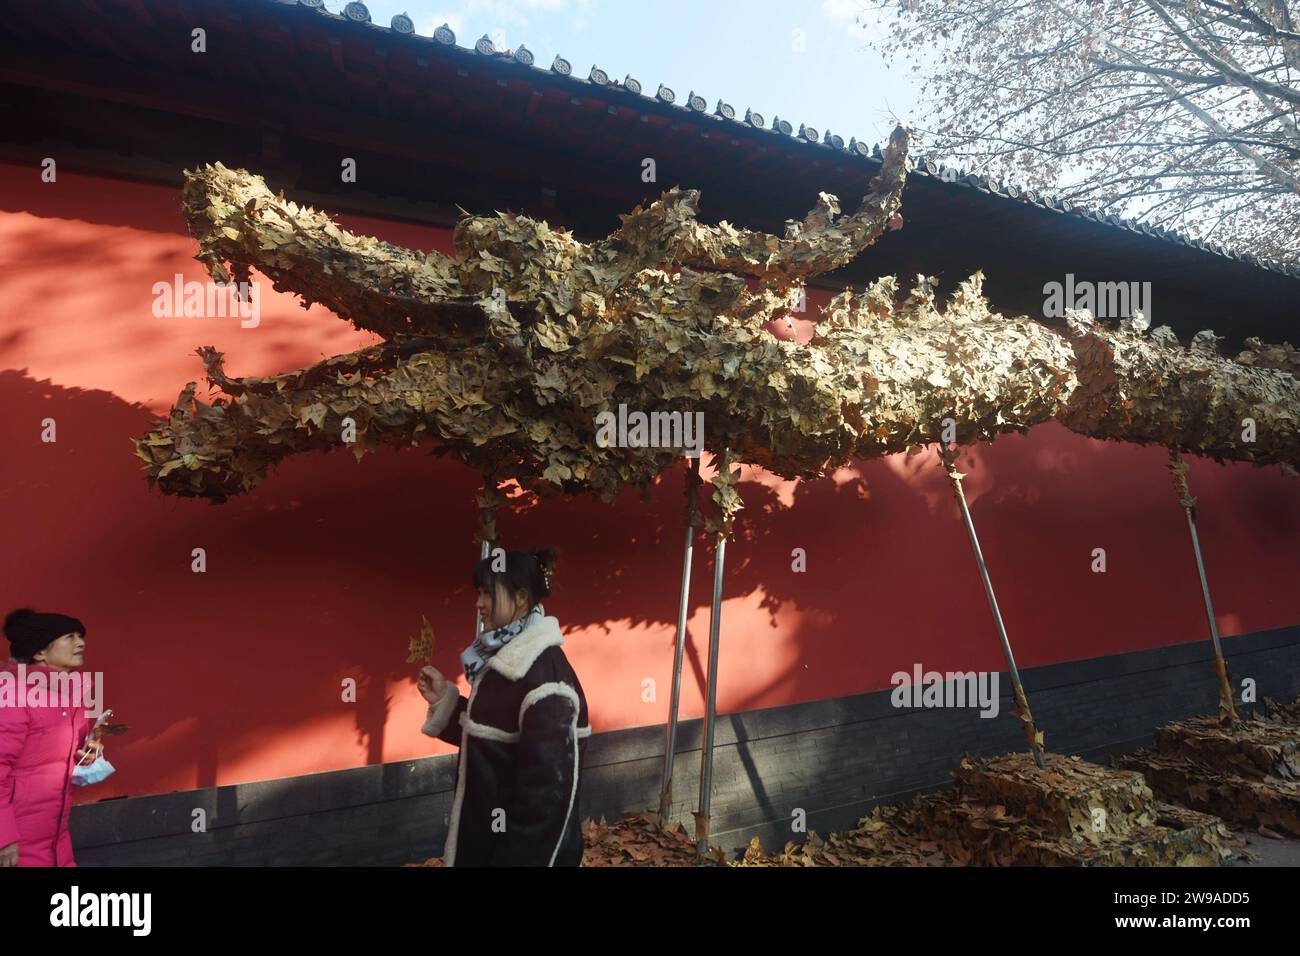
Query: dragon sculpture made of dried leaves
[507,352]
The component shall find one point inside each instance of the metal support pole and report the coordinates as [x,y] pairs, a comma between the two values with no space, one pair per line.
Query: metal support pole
[949,460]
[711,701]
[1227,706]
[487,535]
[670,744]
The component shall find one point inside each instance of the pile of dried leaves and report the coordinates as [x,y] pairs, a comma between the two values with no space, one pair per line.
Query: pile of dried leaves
[637,840]
[1004,811]
[1248,773]
[886,838]
[507,352]
[1286,713]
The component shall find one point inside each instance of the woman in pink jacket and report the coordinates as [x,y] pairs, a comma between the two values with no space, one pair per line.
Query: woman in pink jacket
[40,745]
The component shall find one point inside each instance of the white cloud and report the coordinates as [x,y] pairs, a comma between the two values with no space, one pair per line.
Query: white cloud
[842,12]
[585,7]
[865,24]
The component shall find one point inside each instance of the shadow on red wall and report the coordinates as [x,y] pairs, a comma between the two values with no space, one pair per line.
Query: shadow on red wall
[320,575]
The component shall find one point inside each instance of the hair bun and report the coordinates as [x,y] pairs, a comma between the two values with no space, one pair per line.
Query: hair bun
[545,558]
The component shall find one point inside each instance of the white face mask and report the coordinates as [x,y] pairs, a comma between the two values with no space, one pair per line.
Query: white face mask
[84,774]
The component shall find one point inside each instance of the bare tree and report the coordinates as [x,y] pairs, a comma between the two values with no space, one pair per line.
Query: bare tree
[1182,113]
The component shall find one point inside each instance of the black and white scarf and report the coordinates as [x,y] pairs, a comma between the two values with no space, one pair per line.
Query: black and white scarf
[475,657]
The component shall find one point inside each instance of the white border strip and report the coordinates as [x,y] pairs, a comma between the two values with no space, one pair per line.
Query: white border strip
[449,854]
[487,731]
[554,688]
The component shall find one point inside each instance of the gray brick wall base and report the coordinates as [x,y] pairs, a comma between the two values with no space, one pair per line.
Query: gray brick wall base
[833,759]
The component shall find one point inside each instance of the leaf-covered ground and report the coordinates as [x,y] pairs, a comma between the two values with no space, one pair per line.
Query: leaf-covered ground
[1002,811]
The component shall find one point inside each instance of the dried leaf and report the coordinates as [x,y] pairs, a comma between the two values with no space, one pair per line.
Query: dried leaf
[421,647]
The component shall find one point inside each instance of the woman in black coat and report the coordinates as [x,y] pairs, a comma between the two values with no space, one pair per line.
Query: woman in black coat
[522,732]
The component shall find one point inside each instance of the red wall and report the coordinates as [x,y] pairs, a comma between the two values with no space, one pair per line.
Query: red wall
[323,572]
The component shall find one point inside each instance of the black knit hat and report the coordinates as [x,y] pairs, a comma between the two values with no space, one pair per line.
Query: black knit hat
[30,632]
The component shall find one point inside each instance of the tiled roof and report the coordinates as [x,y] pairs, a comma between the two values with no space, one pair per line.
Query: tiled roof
[355,15]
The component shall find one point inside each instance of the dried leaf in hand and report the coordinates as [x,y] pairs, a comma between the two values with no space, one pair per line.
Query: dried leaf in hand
[422,647]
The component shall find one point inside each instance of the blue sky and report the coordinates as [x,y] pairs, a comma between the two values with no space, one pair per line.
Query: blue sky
[803,60]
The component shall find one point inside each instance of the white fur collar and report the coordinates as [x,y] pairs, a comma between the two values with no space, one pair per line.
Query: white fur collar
[515,659]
